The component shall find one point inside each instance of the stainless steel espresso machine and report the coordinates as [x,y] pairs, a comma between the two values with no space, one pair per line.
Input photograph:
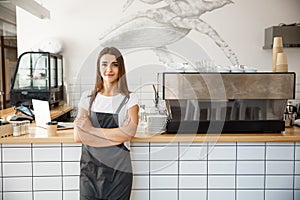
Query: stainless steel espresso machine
[227,102]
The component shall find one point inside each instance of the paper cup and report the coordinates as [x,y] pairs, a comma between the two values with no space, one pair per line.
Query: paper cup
[52,128]
[282,68]
[277,42]
[276,50]
[281,59]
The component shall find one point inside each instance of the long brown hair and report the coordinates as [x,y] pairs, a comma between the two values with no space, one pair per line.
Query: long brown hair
[122,81]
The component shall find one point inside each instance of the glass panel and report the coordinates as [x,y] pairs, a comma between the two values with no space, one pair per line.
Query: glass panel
[59,72]
[53,71]
[32,72]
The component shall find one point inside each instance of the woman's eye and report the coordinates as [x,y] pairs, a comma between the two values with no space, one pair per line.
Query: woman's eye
[104,65]
[115,64]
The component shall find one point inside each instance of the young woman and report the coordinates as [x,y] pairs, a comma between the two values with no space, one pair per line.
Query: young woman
[106,122]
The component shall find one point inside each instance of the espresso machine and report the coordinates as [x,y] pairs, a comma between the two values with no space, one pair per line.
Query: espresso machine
[227,102]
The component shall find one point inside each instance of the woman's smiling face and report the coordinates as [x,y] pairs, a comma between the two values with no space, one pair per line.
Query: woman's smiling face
[109,68]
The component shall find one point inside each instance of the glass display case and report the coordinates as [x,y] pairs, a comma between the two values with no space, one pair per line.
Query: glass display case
[39,75]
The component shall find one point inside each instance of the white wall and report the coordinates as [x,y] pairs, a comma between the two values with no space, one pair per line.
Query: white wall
[79,24]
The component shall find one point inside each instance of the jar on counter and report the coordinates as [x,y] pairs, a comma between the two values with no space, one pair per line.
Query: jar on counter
[16,129]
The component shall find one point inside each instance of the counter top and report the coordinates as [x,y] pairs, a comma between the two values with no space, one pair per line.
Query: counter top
[39,135]
[54,112]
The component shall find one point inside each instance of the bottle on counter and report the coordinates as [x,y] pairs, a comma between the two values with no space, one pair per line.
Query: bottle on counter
[16,129]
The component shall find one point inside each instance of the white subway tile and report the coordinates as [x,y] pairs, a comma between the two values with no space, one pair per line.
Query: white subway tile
[193,152]
[71,195]
[163,182]
[193,167]
[46,169]
[297,153]
[221,153]
[192,194]
[72,145]
[71,183]
[17,169]
[71,168]
[17,184]
[86,84]
[200,144]
[140,182]
[16,145]
[250,194]
[280,167]
[139,153]
[164,167]
[280,153]
[251,144]
[250,153]
[221,194]
[164,153]
[280,143]
[48,145]
[297,195]
[47,183]
[297,182]
[163,194]
[139,195]
[216,143]
[221,167]
[138,144]
[221,182]
[279,182]
[48,195]
[250,167]
[16,154]
[46,154]
[17,195]
[71,153]
[254,182]
[163,144]
[297,167]
[192,182]
[140,167]
[279,195]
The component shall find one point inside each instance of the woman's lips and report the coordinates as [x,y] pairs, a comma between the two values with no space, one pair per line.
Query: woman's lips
[109,74]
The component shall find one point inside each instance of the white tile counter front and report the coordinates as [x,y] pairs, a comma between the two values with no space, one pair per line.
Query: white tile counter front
[179,171]
[182,167]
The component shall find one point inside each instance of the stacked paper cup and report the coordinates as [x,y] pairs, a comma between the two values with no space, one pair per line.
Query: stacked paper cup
[277,48]
[281,63]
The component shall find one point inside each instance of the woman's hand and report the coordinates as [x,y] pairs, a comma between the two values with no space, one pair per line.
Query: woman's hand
[76,135]
[83,123]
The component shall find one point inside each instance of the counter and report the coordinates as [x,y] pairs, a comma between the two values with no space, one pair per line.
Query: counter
[39,135]
[167,166]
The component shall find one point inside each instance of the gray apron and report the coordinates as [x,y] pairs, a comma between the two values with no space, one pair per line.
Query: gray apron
[105,172]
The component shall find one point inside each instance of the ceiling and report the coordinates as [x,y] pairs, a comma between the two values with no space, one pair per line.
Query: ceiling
[8,14]
[7,18]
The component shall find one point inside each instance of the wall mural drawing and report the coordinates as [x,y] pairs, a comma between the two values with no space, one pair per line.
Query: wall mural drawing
[158,27]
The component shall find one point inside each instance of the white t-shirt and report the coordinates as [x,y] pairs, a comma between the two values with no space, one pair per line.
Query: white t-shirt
[109,104]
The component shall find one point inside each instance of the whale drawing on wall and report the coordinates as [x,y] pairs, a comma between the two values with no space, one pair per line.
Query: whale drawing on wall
[158,27]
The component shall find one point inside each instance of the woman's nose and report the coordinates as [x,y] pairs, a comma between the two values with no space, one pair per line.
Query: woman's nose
[109,68]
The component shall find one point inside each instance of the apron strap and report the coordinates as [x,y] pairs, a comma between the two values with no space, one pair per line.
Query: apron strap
[121,105]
